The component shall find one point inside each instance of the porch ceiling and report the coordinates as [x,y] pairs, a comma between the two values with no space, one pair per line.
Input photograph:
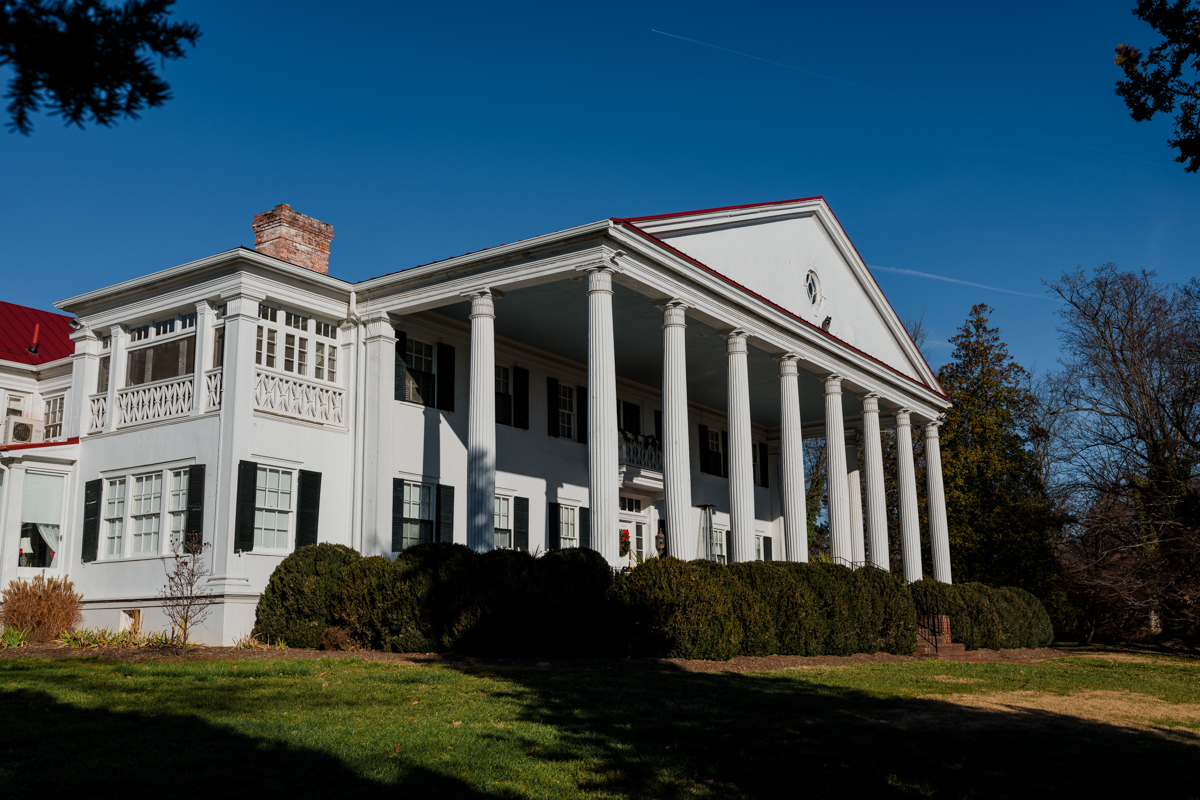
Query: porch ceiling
[553,317]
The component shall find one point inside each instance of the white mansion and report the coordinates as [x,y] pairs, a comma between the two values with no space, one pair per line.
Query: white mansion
[651,377]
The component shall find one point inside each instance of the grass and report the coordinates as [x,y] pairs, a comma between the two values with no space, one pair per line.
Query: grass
[1105,726]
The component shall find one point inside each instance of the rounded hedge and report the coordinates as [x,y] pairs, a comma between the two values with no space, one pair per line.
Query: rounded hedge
[983,616]
[677,609]
[295,608]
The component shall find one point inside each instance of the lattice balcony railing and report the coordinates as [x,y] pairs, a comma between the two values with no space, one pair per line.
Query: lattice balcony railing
[154,401]
[98,412]
[295,397]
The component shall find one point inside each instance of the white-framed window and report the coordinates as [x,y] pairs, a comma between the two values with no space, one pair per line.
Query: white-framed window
[568,530]
[503,523]
[504,400]
[754,453]
[639,537]
[177,506]
[418,357]
[272,508]
[114,516]
[418,514]
[187,321]
[53,417]
[146,513]
[157,362]
[139,334]
[631,504]
[268,313]
[218,356]
[164,327]
[566,411]
[327,329]
[41,520]
[718,545]
[812,287]
[295,354]
[762,548]
[264,347]
[296,321]
[325,366]
[102,374]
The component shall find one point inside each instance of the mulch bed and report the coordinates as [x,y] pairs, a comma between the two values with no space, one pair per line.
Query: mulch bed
[737,664]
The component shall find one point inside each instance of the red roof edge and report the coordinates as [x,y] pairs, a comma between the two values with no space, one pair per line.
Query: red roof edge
[8,448]
[629,224]
[722,208]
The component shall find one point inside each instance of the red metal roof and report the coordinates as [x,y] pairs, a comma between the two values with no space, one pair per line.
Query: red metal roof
[16,334]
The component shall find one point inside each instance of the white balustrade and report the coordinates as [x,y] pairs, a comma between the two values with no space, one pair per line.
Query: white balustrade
[295,397]
[98,408]
[214,389]
[639,451]
[154,401]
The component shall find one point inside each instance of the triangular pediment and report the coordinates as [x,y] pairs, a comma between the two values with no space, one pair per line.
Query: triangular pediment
[773,250]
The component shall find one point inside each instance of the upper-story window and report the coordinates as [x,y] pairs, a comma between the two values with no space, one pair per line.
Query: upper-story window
[158,362]
[187,321]
[326,329]
[296,321]
[502,522]
[325,366]
[566,411]
[419,358]
[504,398]
[53,417]
[164,327]
[269,313]
[281,344]
[265,346]
[139,334]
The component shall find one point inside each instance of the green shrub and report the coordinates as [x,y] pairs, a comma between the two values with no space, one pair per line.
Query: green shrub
[987,617]
[763,597]
[676,609]
[576,604]
[1040,625]
[497,612]
[429,578]
[378,609]
[296,604]
[894,613]
[837,610]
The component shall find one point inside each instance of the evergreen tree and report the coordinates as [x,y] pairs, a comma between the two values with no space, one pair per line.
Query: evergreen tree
[1002,522]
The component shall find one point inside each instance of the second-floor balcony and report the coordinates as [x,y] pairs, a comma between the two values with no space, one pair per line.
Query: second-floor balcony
[640,460]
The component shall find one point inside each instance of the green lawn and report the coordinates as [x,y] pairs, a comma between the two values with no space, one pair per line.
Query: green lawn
[343,727]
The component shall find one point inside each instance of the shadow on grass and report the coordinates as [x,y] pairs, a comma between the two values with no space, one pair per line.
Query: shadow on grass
[667,734]
[51,749]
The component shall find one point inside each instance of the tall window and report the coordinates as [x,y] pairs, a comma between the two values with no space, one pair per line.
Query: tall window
[718,545]
[289,352]
[503,396]
[419,358]
[114,517]
[178,505]
[147,509]
[272,508]
[757,467]
[566,411]
[503,523]
[158,362]
[102,374]
[716,457]
[418,514]
[568,533]
[218,358]
[325,366]
[264,348]
[53,418]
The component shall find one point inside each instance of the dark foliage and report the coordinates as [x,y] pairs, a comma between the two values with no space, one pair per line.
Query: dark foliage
[296,606]
[679,609]
[1166,76]
[85,59]
[986,617]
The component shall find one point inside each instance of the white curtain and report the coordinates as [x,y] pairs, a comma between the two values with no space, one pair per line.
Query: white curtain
[41,504]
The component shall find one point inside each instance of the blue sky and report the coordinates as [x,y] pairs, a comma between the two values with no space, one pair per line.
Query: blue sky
[987,145]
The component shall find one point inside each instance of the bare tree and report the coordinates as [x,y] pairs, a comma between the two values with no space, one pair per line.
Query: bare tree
[185,600]
[917,331]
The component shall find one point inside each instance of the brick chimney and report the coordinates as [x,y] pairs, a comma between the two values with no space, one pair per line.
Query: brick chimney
[292,237]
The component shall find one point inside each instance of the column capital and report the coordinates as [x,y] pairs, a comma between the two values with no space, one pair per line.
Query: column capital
[931,428]
[870,402]
[483,301]
[599,277]
[203,306]
[674,313]
[736,339]
[378,326]
[789,364]
[242,303]
[833,383]
[903,416]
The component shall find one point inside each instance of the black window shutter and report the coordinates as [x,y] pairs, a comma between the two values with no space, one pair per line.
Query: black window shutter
[585,527]
[729,546]
[552,522]
[767,549]
[401,365]
[552,406]
[308,510]
[445,377]
[762,467]
[725,454]
[520,398]
[243,528]
[632,413]
[520,523]
[658,425]
[705,460]
[445,514]
[92,491]
[193,532]
[581,411]
[503,408]
[397,515]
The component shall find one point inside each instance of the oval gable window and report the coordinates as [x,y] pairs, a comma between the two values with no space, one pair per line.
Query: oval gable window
[813,287]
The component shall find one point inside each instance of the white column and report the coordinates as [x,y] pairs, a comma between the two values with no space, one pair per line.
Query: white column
[839,492]
[939,531]
[602,416]
[854,487]
[741,450]
[116,374]
[677,464]
[204,351]
[481,428]
[378,382]
[85,367]
[877,542]
[906,477]
[791,462]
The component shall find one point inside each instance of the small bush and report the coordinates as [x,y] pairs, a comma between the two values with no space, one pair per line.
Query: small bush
[677,609]
[44,607]
[296,604]
[336,637]
[13,637]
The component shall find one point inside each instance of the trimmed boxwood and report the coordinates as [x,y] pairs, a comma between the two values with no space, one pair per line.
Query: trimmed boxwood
[988,617]
[576,613]
[295,608]
[677,609]
[893,611]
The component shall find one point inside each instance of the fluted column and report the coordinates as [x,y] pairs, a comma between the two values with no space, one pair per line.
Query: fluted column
[854,487]
[939,531]
[877,542]
[906,478]
[602,416]
[741,455]
[481,426]
[116,373]
[677,467]
[839,492]
[791,462]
